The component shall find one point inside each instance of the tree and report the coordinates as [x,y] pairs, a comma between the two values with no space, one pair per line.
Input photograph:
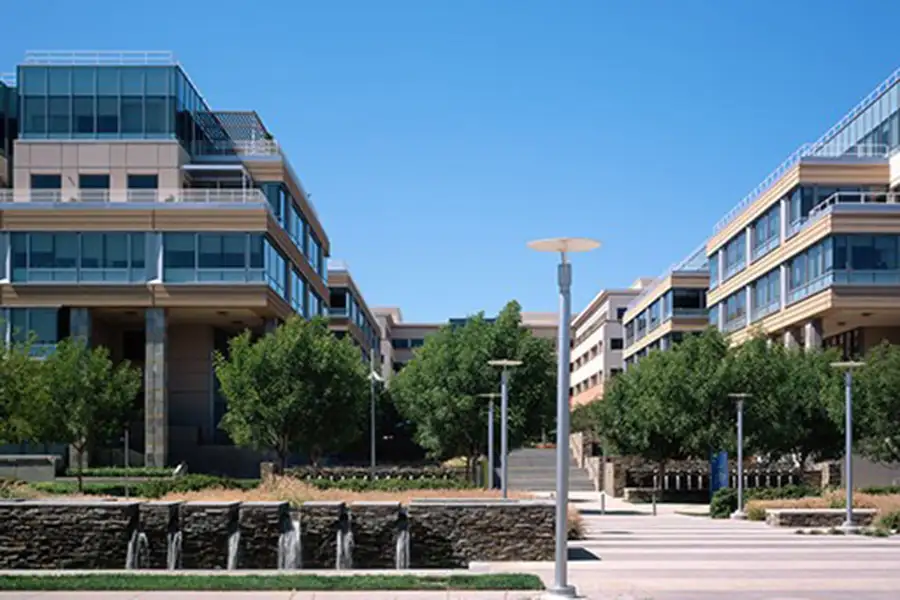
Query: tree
[439,389]
[84,397]
[876,404]
[297,389]
[19,384]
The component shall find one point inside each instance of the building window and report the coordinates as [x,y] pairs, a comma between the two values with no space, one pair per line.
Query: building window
[620,312]
[78,257]
[46,182]
[39,326]
[766,232]
[615,343]
[714,270]
[416,343]
[766,294]
[736,311]
[93,182]
[735,255]
[143,182]
[400,343]
[221,257]
[338,302]
[298,294]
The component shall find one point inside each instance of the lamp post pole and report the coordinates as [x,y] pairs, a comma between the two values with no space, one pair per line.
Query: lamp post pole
[373,377]
[563,246]
[847,367]
[505,365]
[739,513]
[490,437]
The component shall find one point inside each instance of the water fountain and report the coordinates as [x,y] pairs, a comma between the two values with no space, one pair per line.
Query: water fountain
[344,543]
[234,543]
[173,553]
[136,545]
[290,555]
[401,550]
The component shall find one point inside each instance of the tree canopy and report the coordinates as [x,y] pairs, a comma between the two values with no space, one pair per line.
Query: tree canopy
[297,389]
[439,389]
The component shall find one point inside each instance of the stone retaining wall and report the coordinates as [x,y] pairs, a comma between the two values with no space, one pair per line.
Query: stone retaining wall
[818,517]
[258,535]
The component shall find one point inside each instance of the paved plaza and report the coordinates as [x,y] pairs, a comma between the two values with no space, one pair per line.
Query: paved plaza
[632,555]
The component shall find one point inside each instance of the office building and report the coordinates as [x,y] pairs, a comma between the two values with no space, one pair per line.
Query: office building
[667,309]
[598,343]
[142,219]
[811,257]
[349,315]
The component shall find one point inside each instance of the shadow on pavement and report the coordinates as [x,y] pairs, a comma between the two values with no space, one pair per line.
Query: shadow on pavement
[598,512]
[582,554]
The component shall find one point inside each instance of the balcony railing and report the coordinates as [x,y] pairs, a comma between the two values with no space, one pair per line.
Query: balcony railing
[241,148]
[181,196]
[99,57]
[691,313]
[870,199]
[338,311]
[761,311]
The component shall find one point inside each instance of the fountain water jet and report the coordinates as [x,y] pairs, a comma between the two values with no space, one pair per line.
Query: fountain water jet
[234,542]
[136,544]
[173,553]
[345,543]
[290,554]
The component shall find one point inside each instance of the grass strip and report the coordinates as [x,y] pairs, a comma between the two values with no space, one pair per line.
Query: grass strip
[112,582]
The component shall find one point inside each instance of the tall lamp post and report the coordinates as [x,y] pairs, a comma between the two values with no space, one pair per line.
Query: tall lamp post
[505,364]
[740,397]
[847,367]
[563,246]
[490,396]
[373,377]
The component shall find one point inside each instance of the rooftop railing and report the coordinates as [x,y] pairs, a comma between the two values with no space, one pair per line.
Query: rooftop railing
[8,79]
[99,57]
[241,148]
[184,196]
[868,199]
[695,261]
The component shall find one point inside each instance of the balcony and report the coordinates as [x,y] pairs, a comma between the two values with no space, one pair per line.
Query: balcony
[691,313]
[338,311]
[134,197]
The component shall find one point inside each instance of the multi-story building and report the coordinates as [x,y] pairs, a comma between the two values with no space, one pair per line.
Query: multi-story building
[350,315]
[598,343]
[667,309]
[812,255]
[141,219]
[400,339]
[9,128]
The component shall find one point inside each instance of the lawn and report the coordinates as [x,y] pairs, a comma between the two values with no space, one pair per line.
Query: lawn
[299,582]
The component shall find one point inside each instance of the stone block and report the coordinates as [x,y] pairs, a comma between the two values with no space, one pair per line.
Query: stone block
[320,523]
[261,526]
[159,523]
[453,534]
[375,528]
[818,517]
[66,535]
[206,528]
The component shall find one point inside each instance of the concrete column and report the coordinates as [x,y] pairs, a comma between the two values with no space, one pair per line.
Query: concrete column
[748,246]
[783,276]
[80,324]
[721,318]
[783,219]
[791,339]
[156,400]
[812,335]
[748,291]
[720,256]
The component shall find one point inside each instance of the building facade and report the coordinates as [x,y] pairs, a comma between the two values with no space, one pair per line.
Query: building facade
[811,257]
[667,309]
[598,343]
[349,315]
[141,219]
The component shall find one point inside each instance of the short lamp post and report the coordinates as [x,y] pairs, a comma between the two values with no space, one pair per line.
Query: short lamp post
[563,246]
[373,377]
[490,435]
[739,398]
[505,365]
[847,367]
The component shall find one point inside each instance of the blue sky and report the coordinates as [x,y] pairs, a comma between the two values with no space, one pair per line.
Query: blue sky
[437,137]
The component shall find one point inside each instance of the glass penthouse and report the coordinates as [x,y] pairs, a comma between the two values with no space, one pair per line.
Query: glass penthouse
[812,255]
[137,217]
[670,307]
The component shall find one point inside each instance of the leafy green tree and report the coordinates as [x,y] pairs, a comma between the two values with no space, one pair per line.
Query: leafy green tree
[297,389]
[19,383]
[83,398]
[876,404]
[438,390]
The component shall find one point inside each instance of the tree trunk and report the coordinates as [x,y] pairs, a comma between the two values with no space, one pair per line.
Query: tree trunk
[80,472]
[660,485]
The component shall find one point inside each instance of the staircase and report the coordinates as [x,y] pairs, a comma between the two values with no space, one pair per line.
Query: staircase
[534,470]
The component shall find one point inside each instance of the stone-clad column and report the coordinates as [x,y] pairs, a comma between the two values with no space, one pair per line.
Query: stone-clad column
[79,329]
[812,334]
[790,339]
[156,399]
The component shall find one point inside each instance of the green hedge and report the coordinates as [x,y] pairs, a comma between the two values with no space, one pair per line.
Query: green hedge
[724,501]
[881,490]
[388,485]
[146,489]
[121,472]
[890,521]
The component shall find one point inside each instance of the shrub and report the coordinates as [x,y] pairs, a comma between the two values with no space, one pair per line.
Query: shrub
[881,490]
[755,513]
[388,485]
[724,501]
[890,521]
[155,488]
[123,472]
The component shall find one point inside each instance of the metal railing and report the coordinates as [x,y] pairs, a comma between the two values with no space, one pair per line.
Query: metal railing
[182,196]
[99,57]
[695,261]
[843,198]
[260,147]
[804,151]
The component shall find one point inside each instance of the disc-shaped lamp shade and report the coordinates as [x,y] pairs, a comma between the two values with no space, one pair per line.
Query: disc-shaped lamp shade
[848,364]
[564,244]
[504,362]
[490,395]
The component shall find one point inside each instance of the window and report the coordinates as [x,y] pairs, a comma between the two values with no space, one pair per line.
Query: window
[45,187]
[82,257]
[620,312]
[40,326]
[298,293]
[714,270]
[143,182]
[766,232]
[736,311]
[766,294]
[615,344]
[416,343]
[93,182]
[217,257]
[399,343]
[735,255]
[83,116]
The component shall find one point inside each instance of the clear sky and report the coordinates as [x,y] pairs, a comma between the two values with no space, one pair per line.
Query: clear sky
[438,136]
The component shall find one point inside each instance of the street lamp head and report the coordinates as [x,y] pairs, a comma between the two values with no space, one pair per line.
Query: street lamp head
[490,395]
[504,362]
[847,365]
[564,244]
[739,396]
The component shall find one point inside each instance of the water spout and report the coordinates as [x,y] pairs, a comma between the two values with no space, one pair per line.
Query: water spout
[136,545]
[401,550]
[173,553]
[345,545]
[290,554]
[234,542]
